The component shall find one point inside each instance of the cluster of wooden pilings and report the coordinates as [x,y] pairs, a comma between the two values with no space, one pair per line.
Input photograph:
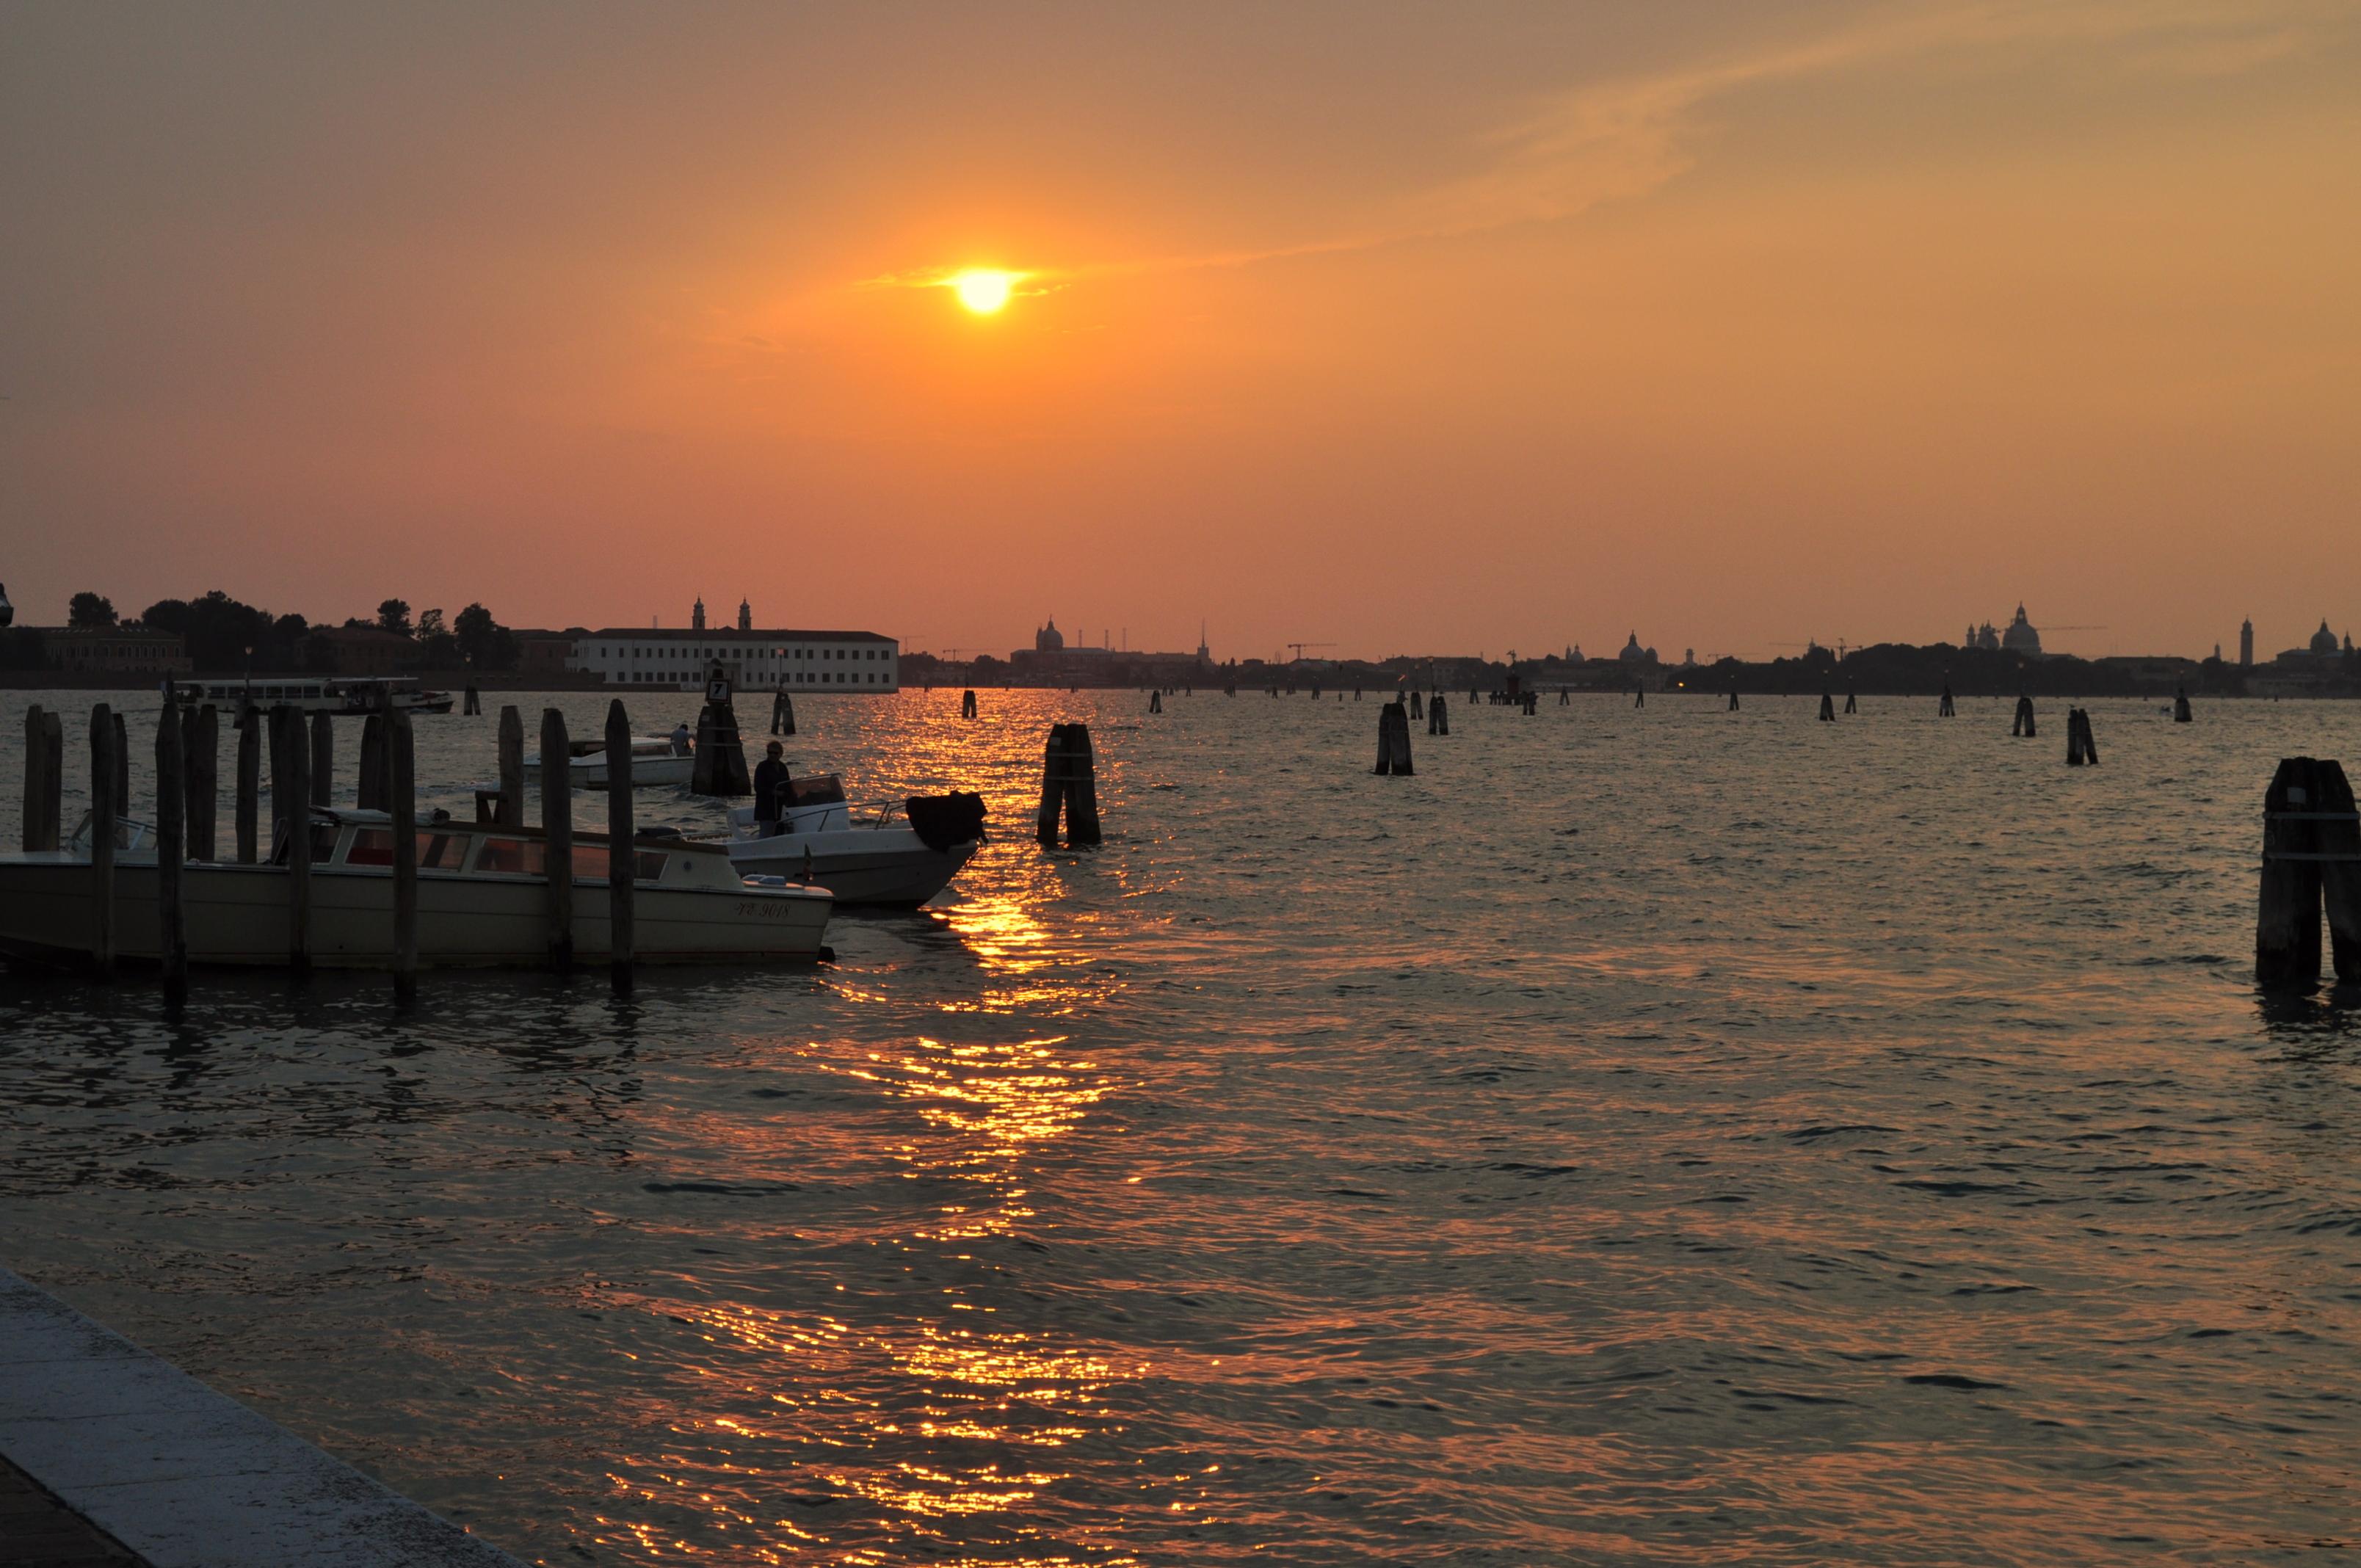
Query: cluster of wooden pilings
[2081,747]
[301,778]
[1393,740]
[1068,783]
[2311,859]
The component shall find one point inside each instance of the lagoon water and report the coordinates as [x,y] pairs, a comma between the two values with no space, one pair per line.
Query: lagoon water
[1641,1136]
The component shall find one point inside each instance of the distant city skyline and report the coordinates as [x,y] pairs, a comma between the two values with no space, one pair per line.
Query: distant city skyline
[1387,326]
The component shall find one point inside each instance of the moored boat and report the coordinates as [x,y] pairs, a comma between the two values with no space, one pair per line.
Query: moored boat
[898,855]
[654,760]
[347,697]
[482,899]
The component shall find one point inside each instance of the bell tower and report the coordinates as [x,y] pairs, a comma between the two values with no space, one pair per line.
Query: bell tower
[696,616]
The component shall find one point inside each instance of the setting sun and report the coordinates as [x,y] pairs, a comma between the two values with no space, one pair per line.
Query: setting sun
[984,291]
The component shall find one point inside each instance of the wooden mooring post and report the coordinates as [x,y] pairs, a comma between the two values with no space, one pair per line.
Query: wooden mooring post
[967,703]
[721,766]
[323,759]
[2180,712]
[201,754]
[401,788]
[369,788]
[298,820]
[121,766]
[557,829]
[247,807]
[511,806]
[2286,919]
[2081,747]
[44,779]
[620,864]
[1947,708]
[171,845]
[1827,709]
[1155,701]
[2340,868]
[473,703]
[1417,706]
[1393,741]
[2022,723]
[1638,697]
[1438,716]
[1733,699]
[1852,702]
[783,712]
[104,742]
[1069,780]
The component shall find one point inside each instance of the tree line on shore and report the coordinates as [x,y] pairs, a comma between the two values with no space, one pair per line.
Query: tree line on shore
[223,634]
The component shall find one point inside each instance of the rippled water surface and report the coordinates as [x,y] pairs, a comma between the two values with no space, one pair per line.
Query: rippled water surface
[1641,1137]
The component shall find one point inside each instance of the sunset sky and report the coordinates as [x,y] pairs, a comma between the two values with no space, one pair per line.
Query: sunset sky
[1409,329]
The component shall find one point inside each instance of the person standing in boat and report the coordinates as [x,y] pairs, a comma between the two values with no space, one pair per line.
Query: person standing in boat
[770,790]
[680,738]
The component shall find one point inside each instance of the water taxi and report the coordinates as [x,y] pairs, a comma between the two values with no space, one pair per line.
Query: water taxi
[482,899]
[344,696]
[654,760]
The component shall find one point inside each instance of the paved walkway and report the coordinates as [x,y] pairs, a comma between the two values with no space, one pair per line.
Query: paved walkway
[117,1455]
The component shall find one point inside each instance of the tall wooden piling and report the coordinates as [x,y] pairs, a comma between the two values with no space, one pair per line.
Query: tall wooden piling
[171,845]
[513,766]
[783,712]
[323,759]
[1946,707]
[122,765]
[473,703]
[1852,702]
[1638,697]
[558,827]
[1417,706]
[1053,786]
[2338,837]
[248,804]
[2022,723]
[2180,713]
[298,820]
[401,788]
[103,743]
[44,781]
[275,729]
[967,703]
[2081,747]
[1438,716]
[1393,741]
[1827,709]
[1069,780]
[2287,920]
[1155,701]
[201,755]
[721,766]
[369,788]
[1733,699]
[621,865]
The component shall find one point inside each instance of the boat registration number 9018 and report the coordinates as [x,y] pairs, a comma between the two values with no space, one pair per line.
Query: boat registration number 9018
[769,908]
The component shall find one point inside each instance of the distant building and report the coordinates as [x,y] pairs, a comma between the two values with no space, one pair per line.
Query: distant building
[1633,654]
[1050,639]
[547,653]
[2020,637]
[369,650]
[2246,644]
[7,610]
[128,650]
[677,657]
[1984,638]
[745,614]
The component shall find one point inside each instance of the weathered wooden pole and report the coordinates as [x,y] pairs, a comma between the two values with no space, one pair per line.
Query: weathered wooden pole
[323,759]
[1053,786]
[369,788]
[1733,699]
[248,804]
[1081,787]
[400,789]
[298,818]
[41,801]
[621,865]
[557,827]
[102,746]
[1393,740]
[473,703]
[1946,707]
[2022,723]
[201,753]
[1638,697]
[171,845]
[721,766]
[1417,705]
[2339,841]
[1827,709]
[2287,920]
[513,766]
[1155,701]
[2180,714]
[121,766]
[2081,747]
[967,703]
[1438,716]
[783,712]
[1852,702]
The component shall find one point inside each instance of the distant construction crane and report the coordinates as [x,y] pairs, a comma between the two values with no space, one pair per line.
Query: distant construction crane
[1300,647]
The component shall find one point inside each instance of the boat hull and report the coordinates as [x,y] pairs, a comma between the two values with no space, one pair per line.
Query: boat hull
[239,914]
[646,772]
[889,868]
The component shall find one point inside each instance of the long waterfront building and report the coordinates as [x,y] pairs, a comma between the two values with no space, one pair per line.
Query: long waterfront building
[675,657]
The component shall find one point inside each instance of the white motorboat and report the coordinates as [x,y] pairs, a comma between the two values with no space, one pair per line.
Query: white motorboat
[899,854]
[481,900]
[654,762]
[347,696]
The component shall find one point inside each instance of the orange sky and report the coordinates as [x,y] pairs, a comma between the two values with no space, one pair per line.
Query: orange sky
[1430,330]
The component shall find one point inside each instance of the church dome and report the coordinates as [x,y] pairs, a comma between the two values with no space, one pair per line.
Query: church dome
[2324,640]
[1049,640]
[2020,637]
